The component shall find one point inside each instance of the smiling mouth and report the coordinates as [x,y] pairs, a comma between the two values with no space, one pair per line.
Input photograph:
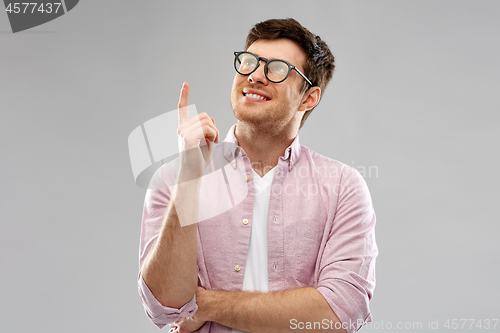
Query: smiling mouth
[256,96]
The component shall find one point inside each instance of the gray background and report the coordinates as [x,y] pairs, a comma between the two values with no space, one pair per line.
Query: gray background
[415,94]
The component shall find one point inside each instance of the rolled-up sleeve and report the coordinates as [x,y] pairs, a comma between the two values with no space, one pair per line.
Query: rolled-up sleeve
[347,267]
[161,315]
[155,205]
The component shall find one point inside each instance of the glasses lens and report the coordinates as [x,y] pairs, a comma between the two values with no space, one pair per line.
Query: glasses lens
[277,70]
[245,63]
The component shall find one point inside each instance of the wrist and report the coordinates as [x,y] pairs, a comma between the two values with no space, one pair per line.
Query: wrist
[206,304]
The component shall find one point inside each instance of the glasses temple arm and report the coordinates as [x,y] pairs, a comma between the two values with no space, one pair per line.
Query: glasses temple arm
[305,78]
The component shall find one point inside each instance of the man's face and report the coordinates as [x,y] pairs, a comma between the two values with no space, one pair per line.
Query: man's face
[281,100]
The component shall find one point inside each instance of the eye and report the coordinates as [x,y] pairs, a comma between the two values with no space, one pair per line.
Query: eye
[247,60]
[278,68]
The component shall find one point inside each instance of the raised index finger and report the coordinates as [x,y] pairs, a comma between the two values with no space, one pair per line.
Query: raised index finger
[183,103]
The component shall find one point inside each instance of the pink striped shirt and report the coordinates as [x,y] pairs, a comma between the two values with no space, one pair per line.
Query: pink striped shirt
[320,231]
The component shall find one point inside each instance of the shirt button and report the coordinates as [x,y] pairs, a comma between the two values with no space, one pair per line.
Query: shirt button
[291,162]
[237,268]
[232,161]
[247,177]
[245,221]
[240,152]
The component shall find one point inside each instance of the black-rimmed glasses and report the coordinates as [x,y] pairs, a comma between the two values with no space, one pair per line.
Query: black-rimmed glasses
[276,70]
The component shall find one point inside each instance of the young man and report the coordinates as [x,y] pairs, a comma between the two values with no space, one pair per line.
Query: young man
[297,250]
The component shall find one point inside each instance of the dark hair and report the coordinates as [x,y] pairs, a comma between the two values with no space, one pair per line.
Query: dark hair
[319,64]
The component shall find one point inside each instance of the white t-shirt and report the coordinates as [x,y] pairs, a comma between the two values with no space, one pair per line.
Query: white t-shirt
[256,278]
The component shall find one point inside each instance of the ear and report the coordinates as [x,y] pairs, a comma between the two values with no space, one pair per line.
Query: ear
[310,99]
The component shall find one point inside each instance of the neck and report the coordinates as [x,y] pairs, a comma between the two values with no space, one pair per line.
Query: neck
[264,146]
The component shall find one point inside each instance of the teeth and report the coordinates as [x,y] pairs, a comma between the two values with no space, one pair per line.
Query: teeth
[257,96]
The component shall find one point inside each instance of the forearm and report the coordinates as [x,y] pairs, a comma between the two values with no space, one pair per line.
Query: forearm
[268,312]
[170,269]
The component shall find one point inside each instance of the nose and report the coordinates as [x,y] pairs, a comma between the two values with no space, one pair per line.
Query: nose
[259,76]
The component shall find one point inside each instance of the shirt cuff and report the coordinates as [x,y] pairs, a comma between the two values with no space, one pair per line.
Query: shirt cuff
[352,319]
[162,315]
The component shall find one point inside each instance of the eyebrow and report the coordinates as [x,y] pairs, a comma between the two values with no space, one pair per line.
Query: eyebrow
[275,59]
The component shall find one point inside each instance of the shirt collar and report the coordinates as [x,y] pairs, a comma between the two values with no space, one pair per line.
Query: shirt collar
[291,155]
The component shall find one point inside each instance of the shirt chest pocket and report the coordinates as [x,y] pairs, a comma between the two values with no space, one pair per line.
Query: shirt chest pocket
[307,249]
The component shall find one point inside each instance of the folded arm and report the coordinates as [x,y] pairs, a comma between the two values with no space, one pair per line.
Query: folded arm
[267,312]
